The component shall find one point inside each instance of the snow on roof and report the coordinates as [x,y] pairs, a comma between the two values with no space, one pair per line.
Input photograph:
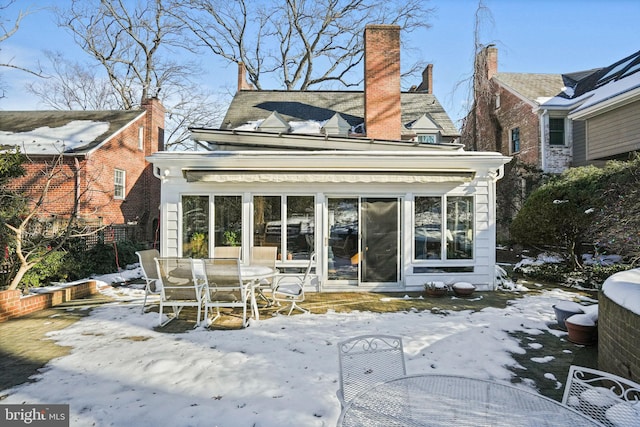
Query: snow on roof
[302,127]
[50,141]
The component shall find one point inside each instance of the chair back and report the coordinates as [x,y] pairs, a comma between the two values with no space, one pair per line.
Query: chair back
[264,255]
[148,264]
[604,397]
[368,360]
[223,272]
[227,252]
[177,279]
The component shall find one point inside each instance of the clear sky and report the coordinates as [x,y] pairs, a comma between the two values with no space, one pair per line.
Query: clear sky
[532,36]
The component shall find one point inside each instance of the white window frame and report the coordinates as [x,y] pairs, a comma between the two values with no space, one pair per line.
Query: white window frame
[564,131]
[141,138]
[428,138]
[119,184]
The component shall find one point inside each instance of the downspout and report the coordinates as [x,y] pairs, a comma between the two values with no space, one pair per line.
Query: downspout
[543,157]
[78,182]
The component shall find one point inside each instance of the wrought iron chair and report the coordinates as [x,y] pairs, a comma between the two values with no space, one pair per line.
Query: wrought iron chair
[178,290]
[368,360]
[223,286]
[289,288]
[264,255]
[149,273]
[604,397]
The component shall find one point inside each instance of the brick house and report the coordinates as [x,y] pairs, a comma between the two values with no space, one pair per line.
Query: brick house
[103,164]
[555,121]
[372,182]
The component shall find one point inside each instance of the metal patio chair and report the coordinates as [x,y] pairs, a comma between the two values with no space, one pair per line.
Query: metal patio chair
[266,256]
[149,273]
[223,286]
[289,288]
[609,399]
[178,290]
[367,360]
[227,251]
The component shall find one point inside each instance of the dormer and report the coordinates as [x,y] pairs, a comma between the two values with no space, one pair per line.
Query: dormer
[274,123]
[336,126]
[427,132]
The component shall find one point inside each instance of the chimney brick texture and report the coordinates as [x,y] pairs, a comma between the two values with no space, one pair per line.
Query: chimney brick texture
[382,114]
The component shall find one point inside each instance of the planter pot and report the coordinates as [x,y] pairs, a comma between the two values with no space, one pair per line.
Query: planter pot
[564,310]
[582,330]
[436,289]
[437,292]
[463,289]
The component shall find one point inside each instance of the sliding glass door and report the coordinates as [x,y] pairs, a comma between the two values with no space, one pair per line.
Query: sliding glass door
[363,243]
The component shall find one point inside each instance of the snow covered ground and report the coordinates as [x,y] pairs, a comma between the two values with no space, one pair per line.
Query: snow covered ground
[282,371]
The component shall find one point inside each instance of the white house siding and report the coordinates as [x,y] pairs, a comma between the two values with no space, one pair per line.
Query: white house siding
[614,132]
[170,168]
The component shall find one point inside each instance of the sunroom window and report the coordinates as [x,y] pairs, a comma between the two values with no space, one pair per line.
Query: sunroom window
[195,226]
[296,240]
[429,224]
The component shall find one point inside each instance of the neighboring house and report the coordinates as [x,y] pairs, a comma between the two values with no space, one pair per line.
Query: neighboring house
[103,155]
[555,121]
[372,182]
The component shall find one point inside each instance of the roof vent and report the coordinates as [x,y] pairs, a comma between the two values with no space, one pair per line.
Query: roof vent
[274,123]
[336,125]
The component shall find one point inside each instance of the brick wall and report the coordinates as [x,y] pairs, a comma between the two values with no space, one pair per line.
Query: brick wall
[13,304]
[92,177]
[618,339]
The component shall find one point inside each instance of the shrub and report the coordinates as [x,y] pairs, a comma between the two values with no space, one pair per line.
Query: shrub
[51,269]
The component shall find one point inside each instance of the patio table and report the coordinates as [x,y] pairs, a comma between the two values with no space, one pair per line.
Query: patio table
[444,400]
[251,276]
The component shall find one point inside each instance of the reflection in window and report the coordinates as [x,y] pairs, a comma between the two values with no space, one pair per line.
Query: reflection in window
[195,226]
[428,228]
[300,226]
[267,221]
[228,220]
[460,227]
[297,212]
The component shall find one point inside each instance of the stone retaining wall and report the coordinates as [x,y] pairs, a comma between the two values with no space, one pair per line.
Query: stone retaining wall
[14,304]
[618,339]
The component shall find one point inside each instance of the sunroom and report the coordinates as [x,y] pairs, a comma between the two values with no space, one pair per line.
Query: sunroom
[380,216]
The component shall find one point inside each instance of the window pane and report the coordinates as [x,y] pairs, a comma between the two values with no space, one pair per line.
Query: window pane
[228,220]
[267,220]
[515,140]
[118,184]
[300,226]
[556,131]
[428,228]
[195,226]
[459,227]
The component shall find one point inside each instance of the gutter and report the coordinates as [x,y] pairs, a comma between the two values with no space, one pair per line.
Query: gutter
[543,162]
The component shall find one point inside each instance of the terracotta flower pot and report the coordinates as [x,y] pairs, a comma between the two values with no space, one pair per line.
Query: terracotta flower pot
[463,289]
[582,329]
[435,289]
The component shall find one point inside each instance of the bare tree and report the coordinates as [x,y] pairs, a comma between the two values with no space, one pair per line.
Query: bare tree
[134,44]
[302,43]
[8,27]
[36,235]
[71,85]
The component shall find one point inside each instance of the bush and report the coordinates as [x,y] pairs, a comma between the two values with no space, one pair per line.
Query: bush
[100,259]
[50,270]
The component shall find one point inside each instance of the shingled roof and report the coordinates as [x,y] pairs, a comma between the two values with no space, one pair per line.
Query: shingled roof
[248,106]
[54,132]
[533,86]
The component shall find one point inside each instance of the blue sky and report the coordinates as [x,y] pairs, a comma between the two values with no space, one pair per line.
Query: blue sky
[535,36]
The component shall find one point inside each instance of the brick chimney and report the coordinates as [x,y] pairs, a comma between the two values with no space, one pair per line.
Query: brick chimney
[243,84]
[490,59]
[427,80]
[154,125]
[382,116]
